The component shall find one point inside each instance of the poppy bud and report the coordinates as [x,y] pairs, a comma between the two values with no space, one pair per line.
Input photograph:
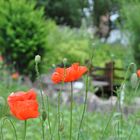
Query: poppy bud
[37,58]
[61,127]
[132,66]
[44,115]
[2,101]
[53,65]
[134,80]
[65,61]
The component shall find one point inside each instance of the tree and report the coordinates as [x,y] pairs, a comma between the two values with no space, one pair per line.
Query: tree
[101,15]
[65,12]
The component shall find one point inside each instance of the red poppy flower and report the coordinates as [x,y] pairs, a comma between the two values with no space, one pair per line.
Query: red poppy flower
[70,74]
[76,72]
[138,73]
[15,75]
[23,105]
[59,75]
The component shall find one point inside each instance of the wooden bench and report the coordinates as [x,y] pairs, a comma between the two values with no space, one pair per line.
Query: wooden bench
[105,78]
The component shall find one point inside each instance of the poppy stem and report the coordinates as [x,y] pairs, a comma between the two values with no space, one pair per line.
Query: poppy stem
[120,105]
[84,109]
[25,126]
[43,134]
[48,110]
[42,99]
[58,115]
[12,124]
[108,122]
[137,86]
[132,130]
[71,108]
[41,92]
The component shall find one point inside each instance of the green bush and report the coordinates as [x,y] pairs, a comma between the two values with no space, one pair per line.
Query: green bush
[64,42]
[64,12]
[105,52]
[76,46]
[132,23]
[22,34]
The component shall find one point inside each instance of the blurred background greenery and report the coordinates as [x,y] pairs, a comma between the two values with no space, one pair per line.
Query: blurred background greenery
[67,29]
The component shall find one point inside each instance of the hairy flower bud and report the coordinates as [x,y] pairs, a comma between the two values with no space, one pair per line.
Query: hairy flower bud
[37,58]
[61,127]
[44,115]
[134,80]
[65,61]
[53,65]
[133,67]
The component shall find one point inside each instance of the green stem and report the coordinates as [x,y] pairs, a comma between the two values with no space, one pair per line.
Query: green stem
[121,88]
[43,133]
[59,95]
[25,126]
[135,93]
[125,78]
[1,131]
[58,115]
[71,108]
[118,130]
[12,124]
[40,86]
[120,126]
[49,118]
[54,124]
[121,119]
[110,118]
[13,128]
[126,74]
[132,130]
[42,99]
[84,109]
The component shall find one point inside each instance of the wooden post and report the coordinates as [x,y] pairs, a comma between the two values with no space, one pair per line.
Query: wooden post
[110,74]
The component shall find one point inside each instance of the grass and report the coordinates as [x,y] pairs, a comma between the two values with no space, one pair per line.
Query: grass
[93,125]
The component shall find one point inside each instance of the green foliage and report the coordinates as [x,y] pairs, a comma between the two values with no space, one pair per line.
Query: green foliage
[76,46]
[64,42]
[132,23]
[66,12]
[22,34]
[104,53]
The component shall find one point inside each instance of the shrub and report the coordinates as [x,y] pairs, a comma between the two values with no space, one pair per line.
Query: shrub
[64,12]
[76,46]
[22,34]
[64,42]
[105,52]
[132,23]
